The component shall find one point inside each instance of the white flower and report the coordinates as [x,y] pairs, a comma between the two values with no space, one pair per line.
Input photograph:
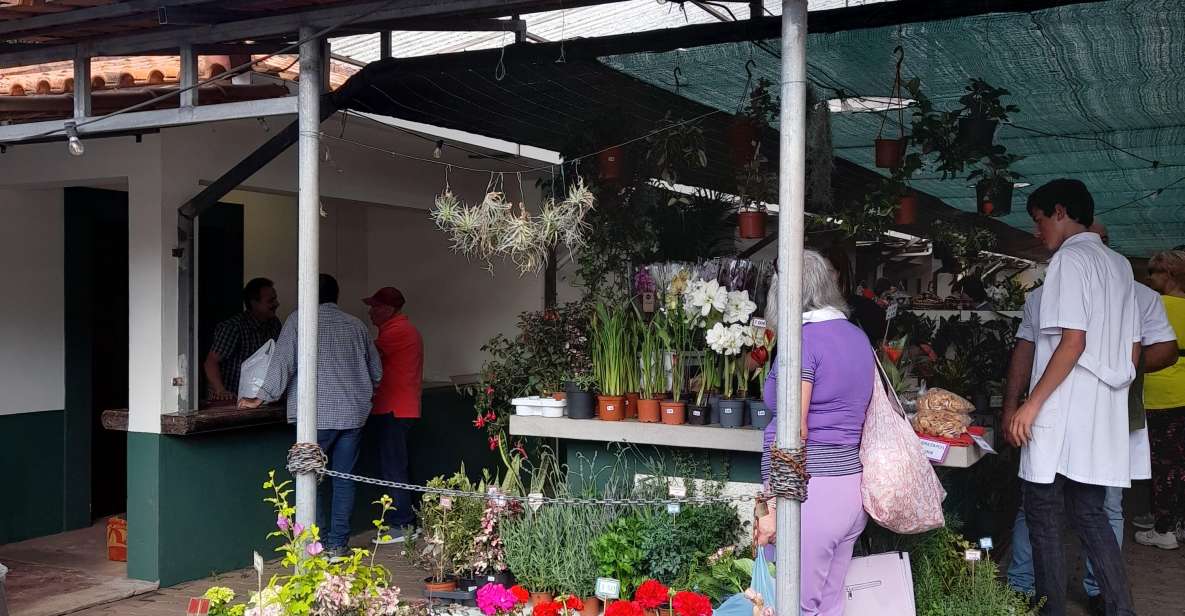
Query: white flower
[738,307]
[719,296]
[717,338]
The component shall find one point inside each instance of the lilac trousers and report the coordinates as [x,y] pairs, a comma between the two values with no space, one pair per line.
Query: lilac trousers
[832,520]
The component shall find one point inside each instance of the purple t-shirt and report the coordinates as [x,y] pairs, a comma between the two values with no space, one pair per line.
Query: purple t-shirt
[837,359]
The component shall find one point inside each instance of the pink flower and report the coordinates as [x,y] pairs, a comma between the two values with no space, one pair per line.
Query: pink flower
[315,548]
[480,422]
[493,443]
[495,599]
[282,523]
[298,529]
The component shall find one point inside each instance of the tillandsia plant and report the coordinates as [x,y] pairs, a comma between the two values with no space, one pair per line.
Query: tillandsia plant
[611,342]
[351,585]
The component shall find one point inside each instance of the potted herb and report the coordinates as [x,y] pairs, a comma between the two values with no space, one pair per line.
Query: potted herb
[580,393]
[981,114]
[609,344]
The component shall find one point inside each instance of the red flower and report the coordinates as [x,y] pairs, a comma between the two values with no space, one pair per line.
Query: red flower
[489,390]
[652,594]
[573,604]
[519,449]
[520,594]
[688,603]
[480,422]
[759,355]
[547,608]
[929,352]
[491,417]
[769,336]
[623,608]
[493,443]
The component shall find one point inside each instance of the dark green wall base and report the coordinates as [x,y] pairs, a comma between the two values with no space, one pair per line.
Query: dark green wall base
[32,482]
[590,461]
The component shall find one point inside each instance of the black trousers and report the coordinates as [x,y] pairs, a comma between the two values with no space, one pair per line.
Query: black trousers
[389,436]
[1083,506]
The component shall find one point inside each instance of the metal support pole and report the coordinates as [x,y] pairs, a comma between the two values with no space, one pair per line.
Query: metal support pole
[791,203]
[189,76]
[308,267]
[82,87]
[384,45]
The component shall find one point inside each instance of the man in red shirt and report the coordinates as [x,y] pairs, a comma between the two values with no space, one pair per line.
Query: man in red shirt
[397,399]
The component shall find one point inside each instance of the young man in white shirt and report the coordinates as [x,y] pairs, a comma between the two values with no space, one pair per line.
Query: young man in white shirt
[1073,429]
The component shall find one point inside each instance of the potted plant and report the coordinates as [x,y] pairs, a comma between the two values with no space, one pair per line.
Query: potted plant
[757,185]
[676,333]
[759,414]
[653,372]
[994,183]
[610,339]
[700,413]
[746,129]
[630,366]
[981,114]
[729,341]
[580,393]
[677,147]
[449,527]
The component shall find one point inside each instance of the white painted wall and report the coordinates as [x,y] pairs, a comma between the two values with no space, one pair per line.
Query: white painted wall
[32,336]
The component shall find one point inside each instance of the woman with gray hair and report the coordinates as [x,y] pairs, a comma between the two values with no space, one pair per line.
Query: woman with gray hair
[837,379]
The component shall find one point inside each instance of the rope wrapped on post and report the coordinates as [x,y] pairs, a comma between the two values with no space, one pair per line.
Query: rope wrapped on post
[787,473]
[304,458]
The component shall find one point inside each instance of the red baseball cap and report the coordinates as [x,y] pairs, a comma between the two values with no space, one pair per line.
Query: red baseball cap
[386,296]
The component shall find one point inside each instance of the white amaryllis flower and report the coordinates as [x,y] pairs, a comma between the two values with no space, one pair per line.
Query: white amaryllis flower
[729,339]
[719,296]
[738,307]
[701,297]
[717,338]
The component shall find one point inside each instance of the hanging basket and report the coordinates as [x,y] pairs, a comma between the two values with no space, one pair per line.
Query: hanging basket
[907,210]
[977,134]
[993,198]
[752,224]
[890,153]
[742,140]
[611,164]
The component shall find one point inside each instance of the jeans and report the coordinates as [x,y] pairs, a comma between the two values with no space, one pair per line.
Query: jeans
[1020,569]
[335,497]
[390,438]
[1083,506]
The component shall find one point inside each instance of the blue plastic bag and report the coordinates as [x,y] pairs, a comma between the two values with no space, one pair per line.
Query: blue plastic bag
[761,582]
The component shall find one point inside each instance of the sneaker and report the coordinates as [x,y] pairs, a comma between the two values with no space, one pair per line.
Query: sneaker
[1180,533]
[1164,541]
[337,554]
[1144,522]
[396,536]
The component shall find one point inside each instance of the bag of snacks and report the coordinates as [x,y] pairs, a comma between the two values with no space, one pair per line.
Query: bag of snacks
[938,399]
[941,423]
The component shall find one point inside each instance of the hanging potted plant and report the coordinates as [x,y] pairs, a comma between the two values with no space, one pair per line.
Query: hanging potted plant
[675,148]
[981,115]
[994,183]
[745,131]
[610,334]
[890,153]
[907,209]
[757,186]
[653,372]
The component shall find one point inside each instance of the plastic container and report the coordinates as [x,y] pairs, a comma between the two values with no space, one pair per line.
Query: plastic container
[732,413]
[759,414]
[539,406]
[698,415]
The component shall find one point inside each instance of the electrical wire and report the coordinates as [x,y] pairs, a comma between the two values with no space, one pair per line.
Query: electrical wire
[1150,195]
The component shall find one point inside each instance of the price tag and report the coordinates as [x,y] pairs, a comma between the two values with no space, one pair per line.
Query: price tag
[674,508]
[973,555]
[648,301]
[497,496]
[198,606]
[609,408]
[891,311]
[983,444]
[535,500]
[446,503]
[935,451]
[758,322]
[676,490]
[257,560]
[608,588]
[986,544]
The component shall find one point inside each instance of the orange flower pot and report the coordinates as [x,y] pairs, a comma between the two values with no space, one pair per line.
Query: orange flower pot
[611,408]
[631,406]
[674,413]
[649,411]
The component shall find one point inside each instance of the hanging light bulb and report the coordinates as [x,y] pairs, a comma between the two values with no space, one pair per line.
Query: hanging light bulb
[438,151]
[73,143]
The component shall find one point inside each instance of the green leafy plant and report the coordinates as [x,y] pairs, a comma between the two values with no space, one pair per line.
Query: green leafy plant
[449,526]
[676,331]
[653,377]
[675,148]
[618,553]
[982,100]
[946,584]
[611,348]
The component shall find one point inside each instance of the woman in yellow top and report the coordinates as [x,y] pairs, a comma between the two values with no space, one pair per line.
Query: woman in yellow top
[1164,399]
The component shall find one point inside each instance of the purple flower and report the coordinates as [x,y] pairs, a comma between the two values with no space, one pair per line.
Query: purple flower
[298,529]
[315,548]
[282,523]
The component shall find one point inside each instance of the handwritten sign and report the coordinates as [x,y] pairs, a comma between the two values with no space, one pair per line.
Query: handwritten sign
[935,451]
[891,311]
[973,555]
[608,588]
[446,503]
[983,444]
[986,543]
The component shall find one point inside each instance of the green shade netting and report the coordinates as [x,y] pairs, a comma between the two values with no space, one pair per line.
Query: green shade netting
[1082,74]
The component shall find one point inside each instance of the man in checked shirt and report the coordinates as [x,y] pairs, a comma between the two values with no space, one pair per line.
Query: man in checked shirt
[348,369]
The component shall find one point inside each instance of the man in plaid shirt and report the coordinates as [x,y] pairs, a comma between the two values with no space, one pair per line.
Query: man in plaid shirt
[238,337]
[348,369]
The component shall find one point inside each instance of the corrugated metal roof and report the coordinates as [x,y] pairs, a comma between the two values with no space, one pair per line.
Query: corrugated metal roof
[583,22]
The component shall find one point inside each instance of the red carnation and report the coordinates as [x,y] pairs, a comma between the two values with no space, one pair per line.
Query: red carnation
[688,603]
[652,594]
[520,594]
[547,608]
[573,604]
[623,608]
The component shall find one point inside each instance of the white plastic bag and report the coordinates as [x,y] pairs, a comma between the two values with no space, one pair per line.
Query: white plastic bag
[254,370]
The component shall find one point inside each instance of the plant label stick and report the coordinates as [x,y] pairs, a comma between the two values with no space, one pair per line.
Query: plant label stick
[608,588]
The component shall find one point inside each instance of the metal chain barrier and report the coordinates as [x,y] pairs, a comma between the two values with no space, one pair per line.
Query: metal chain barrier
[787,473]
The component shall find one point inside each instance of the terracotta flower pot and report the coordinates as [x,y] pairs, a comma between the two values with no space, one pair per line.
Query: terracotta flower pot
[559,395]
[611,163]
[649,411]
[611,408]
[448,585]
[751,224]
[907,210]
[994,198]
[631,405]
[539,597]
[674,413]
[592,607]
[890,153]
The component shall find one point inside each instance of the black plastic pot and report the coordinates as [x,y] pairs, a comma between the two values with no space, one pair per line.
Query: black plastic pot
[732,413]
[977,133]
[714,406]
[698,415]
[759,414]
[993,198]
[581,404]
